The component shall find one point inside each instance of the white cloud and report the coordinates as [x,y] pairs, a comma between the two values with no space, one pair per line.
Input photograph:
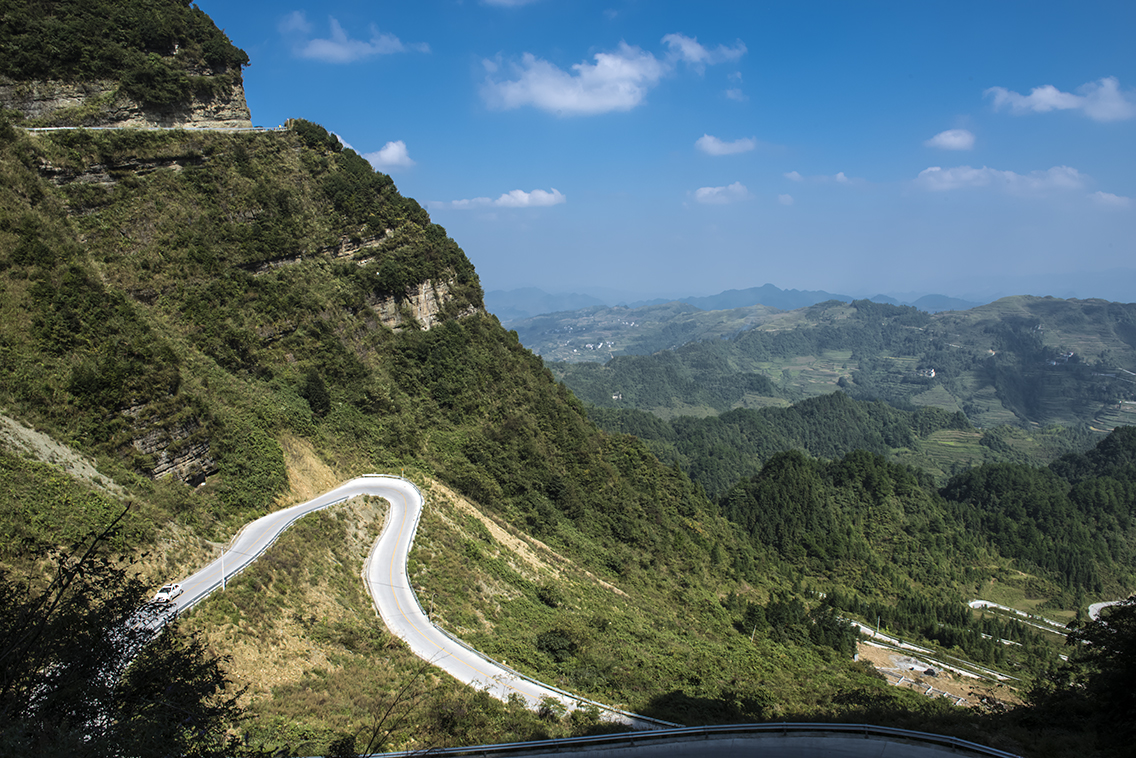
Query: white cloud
[339,48]
[508,3]
[736,94]
[391,155]
[721,195]
[713,146]
[785,199]
[794,176]
[1110,200]
[952,139]
[534,199]
[840,178]
[1101,100]
[937,179]
[617,81]
[516,199]
[688,50]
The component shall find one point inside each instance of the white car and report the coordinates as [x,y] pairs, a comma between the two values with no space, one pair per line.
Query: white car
[167,593]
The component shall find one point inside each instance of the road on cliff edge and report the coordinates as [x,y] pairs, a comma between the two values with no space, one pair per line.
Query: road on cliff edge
[385,576]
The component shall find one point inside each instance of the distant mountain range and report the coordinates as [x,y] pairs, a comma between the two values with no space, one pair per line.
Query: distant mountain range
[517,305]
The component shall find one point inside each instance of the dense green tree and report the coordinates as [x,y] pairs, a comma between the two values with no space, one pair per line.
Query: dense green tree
[1093,689]
[86,670]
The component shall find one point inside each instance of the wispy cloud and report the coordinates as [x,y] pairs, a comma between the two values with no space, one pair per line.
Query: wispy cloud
[838,178]
[1110,200]
[294,23]
[1101,100]
[516,199]
[392,155]
[713,146]
[937,179]
[688,50]
[731,193]
[785,199]
[736,94]
[508,3]
[952,139]
[612,81]
[339,47]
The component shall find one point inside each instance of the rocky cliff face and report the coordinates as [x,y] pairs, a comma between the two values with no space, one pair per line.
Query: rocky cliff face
[419,307]
[101,103]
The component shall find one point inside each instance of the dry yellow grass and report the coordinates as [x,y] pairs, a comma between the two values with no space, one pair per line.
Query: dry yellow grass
[308,475]
[536,555]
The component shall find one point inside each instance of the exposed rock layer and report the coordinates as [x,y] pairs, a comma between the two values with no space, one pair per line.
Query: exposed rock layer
[102,104]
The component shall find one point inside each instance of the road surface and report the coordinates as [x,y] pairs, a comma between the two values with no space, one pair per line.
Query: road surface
[385,576]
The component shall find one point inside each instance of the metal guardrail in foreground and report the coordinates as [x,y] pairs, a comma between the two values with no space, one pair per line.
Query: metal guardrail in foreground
[693,733]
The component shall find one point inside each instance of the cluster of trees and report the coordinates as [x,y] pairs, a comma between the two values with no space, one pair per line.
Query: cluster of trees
[87,670]
[1092,692]
[786,619]
[156,50]
[863,513]
[719,451]
[948,621]
[1074,518]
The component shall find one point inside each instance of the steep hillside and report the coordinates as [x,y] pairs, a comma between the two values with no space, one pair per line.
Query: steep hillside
[216,321]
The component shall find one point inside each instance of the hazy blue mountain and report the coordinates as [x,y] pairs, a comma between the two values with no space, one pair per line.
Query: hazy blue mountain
[937,303]
[515,305]
[766,294]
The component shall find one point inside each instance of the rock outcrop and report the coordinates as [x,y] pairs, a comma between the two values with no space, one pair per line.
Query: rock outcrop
[103,104]
[422,306]
[419,307]
[175,448]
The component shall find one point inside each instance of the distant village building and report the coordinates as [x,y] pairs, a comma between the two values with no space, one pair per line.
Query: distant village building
[928,373]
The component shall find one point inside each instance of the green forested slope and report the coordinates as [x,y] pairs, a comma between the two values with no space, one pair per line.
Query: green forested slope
[717,451]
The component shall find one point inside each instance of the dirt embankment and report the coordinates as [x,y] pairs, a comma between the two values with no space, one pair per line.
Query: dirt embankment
[903,670]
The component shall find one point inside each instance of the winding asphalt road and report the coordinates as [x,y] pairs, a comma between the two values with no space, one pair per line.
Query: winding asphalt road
[385,575]
[394,598]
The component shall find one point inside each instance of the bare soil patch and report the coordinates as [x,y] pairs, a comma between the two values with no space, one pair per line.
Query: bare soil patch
[904,670]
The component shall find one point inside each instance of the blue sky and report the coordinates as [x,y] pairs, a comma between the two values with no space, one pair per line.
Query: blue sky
[662,148]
